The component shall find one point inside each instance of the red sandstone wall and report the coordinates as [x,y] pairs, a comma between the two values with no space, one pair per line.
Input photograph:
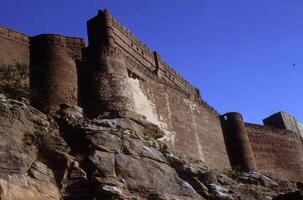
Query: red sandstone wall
[14,47]
[197,127]
[75,47]
[192,126]
[210,135]
[278,152]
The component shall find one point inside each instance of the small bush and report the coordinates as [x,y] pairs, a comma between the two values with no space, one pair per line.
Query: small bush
[14,80]
[236,172]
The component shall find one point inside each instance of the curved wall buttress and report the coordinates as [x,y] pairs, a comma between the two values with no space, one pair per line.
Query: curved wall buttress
[53,73]
[237,142]
[106,75]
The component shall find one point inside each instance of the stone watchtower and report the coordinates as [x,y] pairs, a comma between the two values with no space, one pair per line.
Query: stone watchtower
[106,72]
[237,142]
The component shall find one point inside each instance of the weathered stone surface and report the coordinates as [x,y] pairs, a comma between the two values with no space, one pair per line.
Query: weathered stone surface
[75,158]
[147,175]
[41,172]
[17,137]
[22,187]
[104,141]
[136,148]
[104,165]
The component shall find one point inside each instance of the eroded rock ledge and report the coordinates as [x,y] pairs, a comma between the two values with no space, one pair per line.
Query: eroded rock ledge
[67,156]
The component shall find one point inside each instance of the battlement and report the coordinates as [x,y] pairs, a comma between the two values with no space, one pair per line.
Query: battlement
[135,41]
[14,35]
[174,75]
[139,47]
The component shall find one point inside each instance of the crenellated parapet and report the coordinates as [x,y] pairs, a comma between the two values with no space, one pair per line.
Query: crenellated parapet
[169,73]
[135,42]
[142,54]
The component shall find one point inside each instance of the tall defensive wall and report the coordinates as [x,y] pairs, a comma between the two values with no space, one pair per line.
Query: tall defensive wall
[14,47]
[117,75]
[126,74]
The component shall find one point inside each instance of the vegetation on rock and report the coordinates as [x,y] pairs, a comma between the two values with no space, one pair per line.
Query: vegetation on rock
[14,80]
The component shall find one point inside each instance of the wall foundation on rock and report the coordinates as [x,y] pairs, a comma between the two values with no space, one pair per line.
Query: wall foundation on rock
[118,76]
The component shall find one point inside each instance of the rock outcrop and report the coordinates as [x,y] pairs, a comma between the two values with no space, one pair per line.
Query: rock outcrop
[68,156]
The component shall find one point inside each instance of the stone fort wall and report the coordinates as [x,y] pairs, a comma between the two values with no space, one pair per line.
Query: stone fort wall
[162,96]
[14,47]
[117,73]
[273,151]
[278,152]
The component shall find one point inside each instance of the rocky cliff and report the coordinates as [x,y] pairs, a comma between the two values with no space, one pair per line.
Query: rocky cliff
[67,156]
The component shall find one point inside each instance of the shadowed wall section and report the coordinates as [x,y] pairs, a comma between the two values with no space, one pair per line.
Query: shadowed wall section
[54,78]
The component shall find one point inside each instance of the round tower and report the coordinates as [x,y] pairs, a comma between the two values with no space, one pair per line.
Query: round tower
[106,73]
[53,77]
[108,82]
[237,142]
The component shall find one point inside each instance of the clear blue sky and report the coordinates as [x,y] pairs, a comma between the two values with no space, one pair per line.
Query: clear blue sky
[239,53]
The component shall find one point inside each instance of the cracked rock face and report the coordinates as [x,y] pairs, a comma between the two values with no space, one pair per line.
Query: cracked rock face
[22,175]
[67,156]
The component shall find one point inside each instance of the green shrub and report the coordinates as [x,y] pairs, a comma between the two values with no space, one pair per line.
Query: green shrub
[14,80]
